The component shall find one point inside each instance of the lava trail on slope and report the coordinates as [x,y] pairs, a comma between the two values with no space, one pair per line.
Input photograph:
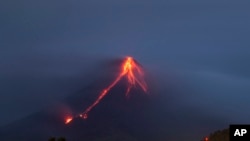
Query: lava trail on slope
[134,75]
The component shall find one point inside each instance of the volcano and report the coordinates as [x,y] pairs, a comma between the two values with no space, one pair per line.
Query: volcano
[142,115]
[129,70]
[117,117]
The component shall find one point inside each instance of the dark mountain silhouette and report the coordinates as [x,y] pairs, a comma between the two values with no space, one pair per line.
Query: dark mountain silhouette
[141,117]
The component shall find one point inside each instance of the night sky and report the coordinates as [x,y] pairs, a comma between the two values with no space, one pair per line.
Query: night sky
[203,47]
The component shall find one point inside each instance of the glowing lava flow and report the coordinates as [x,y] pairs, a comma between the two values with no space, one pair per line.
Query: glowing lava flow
[134,74]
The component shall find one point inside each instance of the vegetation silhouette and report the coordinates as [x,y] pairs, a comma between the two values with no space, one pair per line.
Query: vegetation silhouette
[219,135]
[59,139]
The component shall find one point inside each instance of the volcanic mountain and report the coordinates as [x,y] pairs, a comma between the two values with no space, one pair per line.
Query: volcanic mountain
[116,117]
[139,117]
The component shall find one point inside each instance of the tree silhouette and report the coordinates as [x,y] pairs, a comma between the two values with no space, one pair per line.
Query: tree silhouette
[59,139]
[220,135]
[52,139]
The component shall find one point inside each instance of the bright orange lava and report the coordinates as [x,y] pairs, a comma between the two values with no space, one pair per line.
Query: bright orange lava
[68,120]
[134,75]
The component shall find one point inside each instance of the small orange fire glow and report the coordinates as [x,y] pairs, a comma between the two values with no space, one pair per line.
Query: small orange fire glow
[134,75]
[68,120]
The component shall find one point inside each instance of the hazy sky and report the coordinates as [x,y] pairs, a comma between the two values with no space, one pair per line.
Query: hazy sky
[47,46]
